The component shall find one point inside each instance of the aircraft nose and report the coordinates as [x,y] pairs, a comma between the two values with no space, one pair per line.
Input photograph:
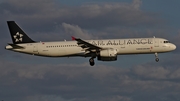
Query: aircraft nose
[173,47]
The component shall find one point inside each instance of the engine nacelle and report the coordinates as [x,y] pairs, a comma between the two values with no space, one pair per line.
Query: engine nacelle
[108,55]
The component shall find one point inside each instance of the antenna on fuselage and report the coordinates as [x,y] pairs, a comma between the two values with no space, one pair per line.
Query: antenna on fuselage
[154,36]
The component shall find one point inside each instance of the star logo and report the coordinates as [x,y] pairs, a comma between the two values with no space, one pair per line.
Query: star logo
[18,37]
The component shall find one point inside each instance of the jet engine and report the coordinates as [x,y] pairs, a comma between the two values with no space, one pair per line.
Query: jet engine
[107,55]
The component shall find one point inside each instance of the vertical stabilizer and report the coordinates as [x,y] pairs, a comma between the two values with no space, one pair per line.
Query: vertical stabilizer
[17,34]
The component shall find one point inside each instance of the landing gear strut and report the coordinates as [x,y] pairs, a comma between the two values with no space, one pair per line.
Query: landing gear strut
[91,61]
[156,56]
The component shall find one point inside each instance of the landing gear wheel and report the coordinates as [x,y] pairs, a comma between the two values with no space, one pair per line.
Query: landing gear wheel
[157,59]
[91,61]
[156,56]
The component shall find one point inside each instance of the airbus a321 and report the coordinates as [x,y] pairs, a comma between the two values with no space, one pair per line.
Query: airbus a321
[103,50]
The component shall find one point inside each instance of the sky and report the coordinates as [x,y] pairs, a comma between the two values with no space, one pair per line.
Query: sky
[131,78]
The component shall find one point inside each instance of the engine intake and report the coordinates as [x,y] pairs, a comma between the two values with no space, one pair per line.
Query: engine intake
[108,55]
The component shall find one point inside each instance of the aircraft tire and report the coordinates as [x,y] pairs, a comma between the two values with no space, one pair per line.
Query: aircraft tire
[91,61]
[157,59]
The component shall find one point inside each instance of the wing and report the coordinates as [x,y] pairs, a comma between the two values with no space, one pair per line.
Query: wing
[86,45]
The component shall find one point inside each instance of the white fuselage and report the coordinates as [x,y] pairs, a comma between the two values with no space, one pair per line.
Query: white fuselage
[71,48]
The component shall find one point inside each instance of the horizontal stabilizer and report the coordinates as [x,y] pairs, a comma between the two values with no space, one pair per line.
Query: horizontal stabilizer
[15,46]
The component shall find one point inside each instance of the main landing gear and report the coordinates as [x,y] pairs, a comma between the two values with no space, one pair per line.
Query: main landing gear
[91,61]
[156,56]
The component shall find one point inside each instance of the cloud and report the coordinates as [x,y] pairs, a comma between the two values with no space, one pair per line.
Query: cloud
[94,16]
[40,79]
[137,4]
[77,82]
[75,30]
[42,19]
[45,98]
[152,72]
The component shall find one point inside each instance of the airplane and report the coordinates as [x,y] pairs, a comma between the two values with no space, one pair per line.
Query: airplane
[103,50]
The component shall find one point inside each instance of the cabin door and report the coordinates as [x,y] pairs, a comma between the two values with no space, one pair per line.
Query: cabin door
[156,42]
[35,49]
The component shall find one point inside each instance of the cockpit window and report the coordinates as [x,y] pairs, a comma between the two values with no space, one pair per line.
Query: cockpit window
[166,42]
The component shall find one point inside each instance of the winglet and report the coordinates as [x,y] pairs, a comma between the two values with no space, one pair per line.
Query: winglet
[73,38]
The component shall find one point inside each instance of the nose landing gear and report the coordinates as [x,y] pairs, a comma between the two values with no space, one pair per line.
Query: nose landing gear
[91,61]
[156,56]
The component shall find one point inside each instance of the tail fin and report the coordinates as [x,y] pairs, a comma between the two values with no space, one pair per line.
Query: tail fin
[17,34]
